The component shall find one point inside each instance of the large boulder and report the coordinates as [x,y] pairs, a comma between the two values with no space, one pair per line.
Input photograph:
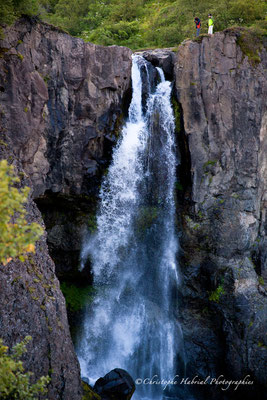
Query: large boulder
[116,385]
[162,58]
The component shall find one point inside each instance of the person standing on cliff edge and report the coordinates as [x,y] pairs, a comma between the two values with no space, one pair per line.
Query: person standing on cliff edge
[198,25]
[210,31]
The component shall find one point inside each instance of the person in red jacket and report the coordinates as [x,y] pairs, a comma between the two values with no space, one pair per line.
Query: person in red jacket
[198,25]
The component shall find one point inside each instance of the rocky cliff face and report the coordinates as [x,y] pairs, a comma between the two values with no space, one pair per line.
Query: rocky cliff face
[223,94]
[32,304]
[60,99]
[61,104]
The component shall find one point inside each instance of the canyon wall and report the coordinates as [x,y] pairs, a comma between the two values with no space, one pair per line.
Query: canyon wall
[62,103]
[222,93]
[61,106]
[32,304]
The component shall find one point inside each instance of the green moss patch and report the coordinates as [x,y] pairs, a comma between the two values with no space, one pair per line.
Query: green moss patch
[92,223]
[179,186]
[177,113]
[77,297]
[3,50]
[20,56]
[216,294]
[210,163]
[261,280]
[88,393]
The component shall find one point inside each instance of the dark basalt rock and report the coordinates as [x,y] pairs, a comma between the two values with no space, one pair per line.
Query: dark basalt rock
[60,99]
[223,107]
[116,385]
[61,110]
[163,58]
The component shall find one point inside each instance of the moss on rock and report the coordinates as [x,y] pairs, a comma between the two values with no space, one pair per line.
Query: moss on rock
[250,42]
[177,113]
[88,393]
[76,297]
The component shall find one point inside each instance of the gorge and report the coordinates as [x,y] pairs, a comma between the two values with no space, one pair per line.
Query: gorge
[63,103]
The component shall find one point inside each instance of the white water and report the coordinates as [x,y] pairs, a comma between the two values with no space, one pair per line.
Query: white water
[131,323]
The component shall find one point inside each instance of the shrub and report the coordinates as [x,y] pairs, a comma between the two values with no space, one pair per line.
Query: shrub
[14,381]
[17,237]
[12,9]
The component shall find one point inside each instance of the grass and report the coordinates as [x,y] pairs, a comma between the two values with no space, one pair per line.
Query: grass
[250,43]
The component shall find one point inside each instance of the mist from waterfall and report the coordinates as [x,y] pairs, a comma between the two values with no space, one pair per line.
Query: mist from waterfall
[132,322]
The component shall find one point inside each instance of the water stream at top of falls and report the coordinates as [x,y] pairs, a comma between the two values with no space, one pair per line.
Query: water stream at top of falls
[132,322]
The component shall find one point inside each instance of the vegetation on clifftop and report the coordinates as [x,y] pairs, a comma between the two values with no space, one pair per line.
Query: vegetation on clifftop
[138,23]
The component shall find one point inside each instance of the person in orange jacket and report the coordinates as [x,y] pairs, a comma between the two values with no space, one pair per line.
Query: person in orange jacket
[198,25]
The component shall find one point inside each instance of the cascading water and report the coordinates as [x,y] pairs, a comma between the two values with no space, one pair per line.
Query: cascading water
[132,322]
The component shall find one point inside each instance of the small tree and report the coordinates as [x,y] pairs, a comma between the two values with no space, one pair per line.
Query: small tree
[17,237]
[14,381]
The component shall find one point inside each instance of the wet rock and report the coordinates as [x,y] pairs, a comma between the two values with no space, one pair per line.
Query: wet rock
[117,384]
[163,58]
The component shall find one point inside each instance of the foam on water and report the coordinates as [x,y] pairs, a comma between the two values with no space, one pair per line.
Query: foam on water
[132,322]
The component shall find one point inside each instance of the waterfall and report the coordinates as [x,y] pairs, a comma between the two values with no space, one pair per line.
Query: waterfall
[132,323]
